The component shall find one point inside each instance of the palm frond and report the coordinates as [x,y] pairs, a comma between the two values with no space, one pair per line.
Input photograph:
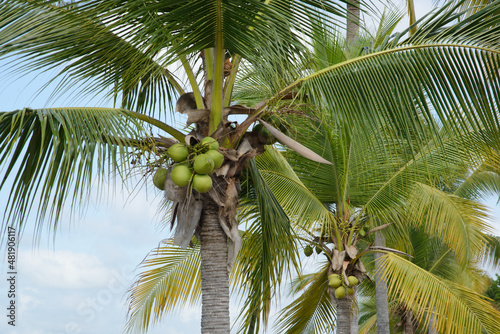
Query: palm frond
[268,252]
[388,21]
[468,7]
[190,26]
[446,72]
[459,222]
[312,311]
[457,309]
[492,252]
[170,277]
[295,198]
[130,47]
[85,53]
[484,180]
[368,325]
[50,151]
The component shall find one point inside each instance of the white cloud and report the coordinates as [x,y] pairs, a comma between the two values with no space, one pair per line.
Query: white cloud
[28,300]
[63,269]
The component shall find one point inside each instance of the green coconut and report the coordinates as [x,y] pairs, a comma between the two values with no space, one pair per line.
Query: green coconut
[340,292]
[159,178]
[217,157]
[332,276]
[362,232]
[184,163]
[334,283]
[202,183]
[308,250]
[203,164]
[181,174]
[318,249]
[211,142]
[352,280]
[350,291]
[178,152]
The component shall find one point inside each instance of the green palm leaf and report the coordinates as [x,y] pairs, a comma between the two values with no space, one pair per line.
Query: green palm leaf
[268,251]
[461,310]
[86,53]
[171,277]
[312,311]
[295,198]
[443,72]
[492,252]
[459,222]
[51,150]
[484,180]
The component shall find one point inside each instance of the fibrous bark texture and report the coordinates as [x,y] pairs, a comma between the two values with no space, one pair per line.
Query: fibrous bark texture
[381,290]
[352,22]
[355,313]
[214,274]
[344,316]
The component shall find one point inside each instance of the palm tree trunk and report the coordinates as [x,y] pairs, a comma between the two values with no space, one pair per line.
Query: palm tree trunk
[344,316]
[383,326]
[352,22]
[409,329]
[214,274]
[354,316]
[432,330]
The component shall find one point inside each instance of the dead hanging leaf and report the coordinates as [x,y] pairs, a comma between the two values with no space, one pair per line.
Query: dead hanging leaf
[229,153]
[345,264]
[294,145]
[228,66]
[352,251]
[234,240]
[174,215]
[231,199]
[244,147]
[188,218]
[388,250]
[191,140]
[337,260]
[172,191]
[378,228]
[346,280]
[359,265]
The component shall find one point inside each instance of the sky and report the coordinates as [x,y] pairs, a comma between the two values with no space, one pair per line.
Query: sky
[77,282]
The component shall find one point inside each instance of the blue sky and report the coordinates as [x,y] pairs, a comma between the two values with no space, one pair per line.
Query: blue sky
[78,283]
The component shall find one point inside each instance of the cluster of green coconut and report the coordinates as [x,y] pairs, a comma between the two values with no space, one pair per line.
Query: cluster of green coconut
[308,250]
[192,165]
[335,282]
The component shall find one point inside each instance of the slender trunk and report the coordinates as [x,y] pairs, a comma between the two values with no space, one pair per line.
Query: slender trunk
[432,329]
[381,290]
[344,316]
[354,315]
[409,329]
[352,22]
[214,275]
[351,310]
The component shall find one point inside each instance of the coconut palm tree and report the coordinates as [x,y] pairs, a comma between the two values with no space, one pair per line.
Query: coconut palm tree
[430,254]
[132,50]
[438,261]
[374,190]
